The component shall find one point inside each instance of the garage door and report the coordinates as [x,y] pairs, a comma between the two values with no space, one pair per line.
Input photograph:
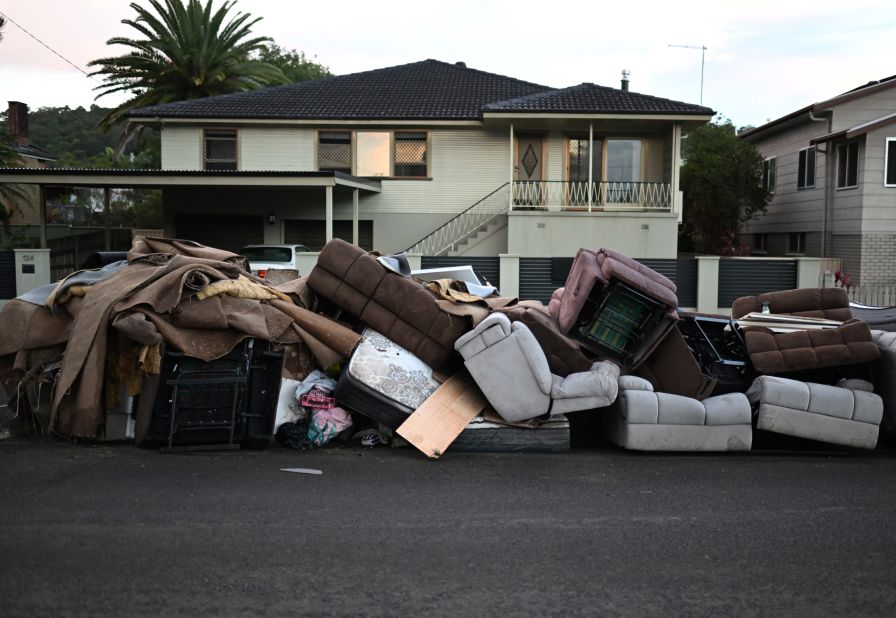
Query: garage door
[231,232]
[313,233]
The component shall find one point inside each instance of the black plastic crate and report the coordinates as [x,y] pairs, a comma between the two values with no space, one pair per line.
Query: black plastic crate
[221,403]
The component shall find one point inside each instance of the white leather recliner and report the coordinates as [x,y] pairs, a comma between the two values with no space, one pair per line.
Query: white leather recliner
[510,368]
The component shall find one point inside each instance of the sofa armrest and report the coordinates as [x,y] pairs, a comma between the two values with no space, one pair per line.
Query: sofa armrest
[634,383]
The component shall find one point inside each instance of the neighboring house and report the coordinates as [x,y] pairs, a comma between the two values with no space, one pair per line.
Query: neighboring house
[32,156]
[432,156]
[832,169]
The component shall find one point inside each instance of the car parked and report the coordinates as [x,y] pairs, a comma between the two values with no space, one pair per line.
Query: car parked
[263,258]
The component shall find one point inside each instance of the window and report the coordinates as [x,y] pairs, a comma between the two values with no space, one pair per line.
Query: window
[410,154]
[577,168]
[847,165]
[623,169]
[334,151]
[805,173]
[760,243]
[797,242]
[220,149]
[380,154]
[770,173]
[890,163]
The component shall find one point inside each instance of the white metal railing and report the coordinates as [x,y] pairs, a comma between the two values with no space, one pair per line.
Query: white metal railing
[445,238]
[635,196]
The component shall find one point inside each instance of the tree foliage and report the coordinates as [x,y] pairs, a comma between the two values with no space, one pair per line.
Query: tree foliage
[294,64]
[12,196]
[185,51]
[723,186]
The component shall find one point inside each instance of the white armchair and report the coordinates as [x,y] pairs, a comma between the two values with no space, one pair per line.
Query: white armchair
[510,368]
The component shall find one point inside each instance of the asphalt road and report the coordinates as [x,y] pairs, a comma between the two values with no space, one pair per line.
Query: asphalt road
[118,531]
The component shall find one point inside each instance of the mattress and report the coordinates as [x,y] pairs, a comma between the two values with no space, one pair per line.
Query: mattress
[383,381]
[485,435]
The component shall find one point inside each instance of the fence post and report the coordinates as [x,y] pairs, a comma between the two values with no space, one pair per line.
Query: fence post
[509,269]
[415,261]
[808,272]
[707,283]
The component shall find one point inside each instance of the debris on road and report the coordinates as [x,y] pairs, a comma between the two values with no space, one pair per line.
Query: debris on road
[180,346]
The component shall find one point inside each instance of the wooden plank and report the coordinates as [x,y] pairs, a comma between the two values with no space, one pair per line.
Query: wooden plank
[440,419]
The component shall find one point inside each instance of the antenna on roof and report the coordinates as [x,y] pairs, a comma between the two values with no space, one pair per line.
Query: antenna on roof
[702,49]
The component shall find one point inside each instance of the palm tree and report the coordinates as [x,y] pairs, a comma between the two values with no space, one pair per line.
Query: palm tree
[187,51]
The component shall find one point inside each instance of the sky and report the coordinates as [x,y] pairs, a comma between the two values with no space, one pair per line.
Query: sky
[763,59]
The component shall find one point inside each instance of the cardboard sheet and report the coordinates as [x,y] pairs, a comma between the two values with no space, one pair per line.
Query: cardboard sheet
[440,419]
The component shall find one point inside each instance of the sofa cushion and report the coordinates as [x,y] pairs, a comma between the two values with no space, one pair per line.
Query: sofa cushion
[728,409]
[847,344]
[398,307]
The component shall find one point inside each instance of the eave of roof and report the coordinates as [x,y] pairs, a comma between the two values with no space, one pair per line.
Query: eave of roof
[175,178]
[857,130]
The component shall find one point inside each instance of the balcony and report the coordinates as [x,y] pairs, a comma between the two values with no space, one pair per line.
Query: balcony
[599,196]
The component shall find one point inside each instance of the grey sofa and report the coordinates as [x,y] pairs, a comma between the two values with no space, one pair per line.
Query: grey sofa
[848,414]
[644,420]
[885,377]
[512,371]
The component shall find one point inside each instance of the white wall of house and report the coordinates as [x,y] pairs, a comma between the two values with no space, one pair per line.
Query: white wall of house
[466,164]
[276,149]
[181,148]
[637,234]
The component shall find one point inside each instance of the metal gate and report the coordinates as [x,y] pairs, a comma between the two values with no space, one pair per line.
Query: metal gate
[748,277]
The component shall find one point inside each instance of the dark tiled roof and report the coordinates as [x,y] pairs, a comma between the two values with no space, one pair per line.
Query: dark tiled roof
[427,90]
[593,99]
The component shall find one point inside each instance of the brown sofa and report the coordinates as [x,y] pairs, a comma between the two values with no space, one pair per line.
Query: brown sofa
[771,352]
[396,306]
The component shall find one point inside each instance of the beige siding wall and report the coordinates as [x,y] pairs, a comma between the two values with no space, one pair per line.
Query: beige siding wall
[867,108]
[181,148]
[277,149]
[466,165]
[879,202]
[792,209]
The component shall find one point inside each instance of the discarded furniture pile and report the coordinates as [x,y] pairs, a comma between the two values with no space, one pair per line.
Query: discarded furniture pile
[180,347]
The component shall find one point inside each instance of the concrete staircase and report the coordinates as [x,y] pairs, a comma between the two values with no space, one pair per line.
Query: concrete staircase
[487,239]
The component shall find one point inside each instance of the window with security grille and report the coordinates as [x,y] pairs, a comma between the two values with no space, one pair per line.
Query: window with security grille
[410,154]
[334,151]
[578,160]
[220,149]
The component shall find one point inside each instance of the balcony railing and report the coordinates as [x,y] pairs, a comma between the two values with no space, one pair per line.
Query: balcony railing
[555,194]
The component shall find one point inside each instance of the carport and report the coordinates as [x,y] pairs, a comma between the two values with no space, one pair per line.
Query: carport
[223,225]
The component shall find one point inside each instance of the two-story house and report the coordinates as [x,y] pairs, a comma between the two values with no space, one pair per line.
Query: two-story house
[831,167]
[432,156]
